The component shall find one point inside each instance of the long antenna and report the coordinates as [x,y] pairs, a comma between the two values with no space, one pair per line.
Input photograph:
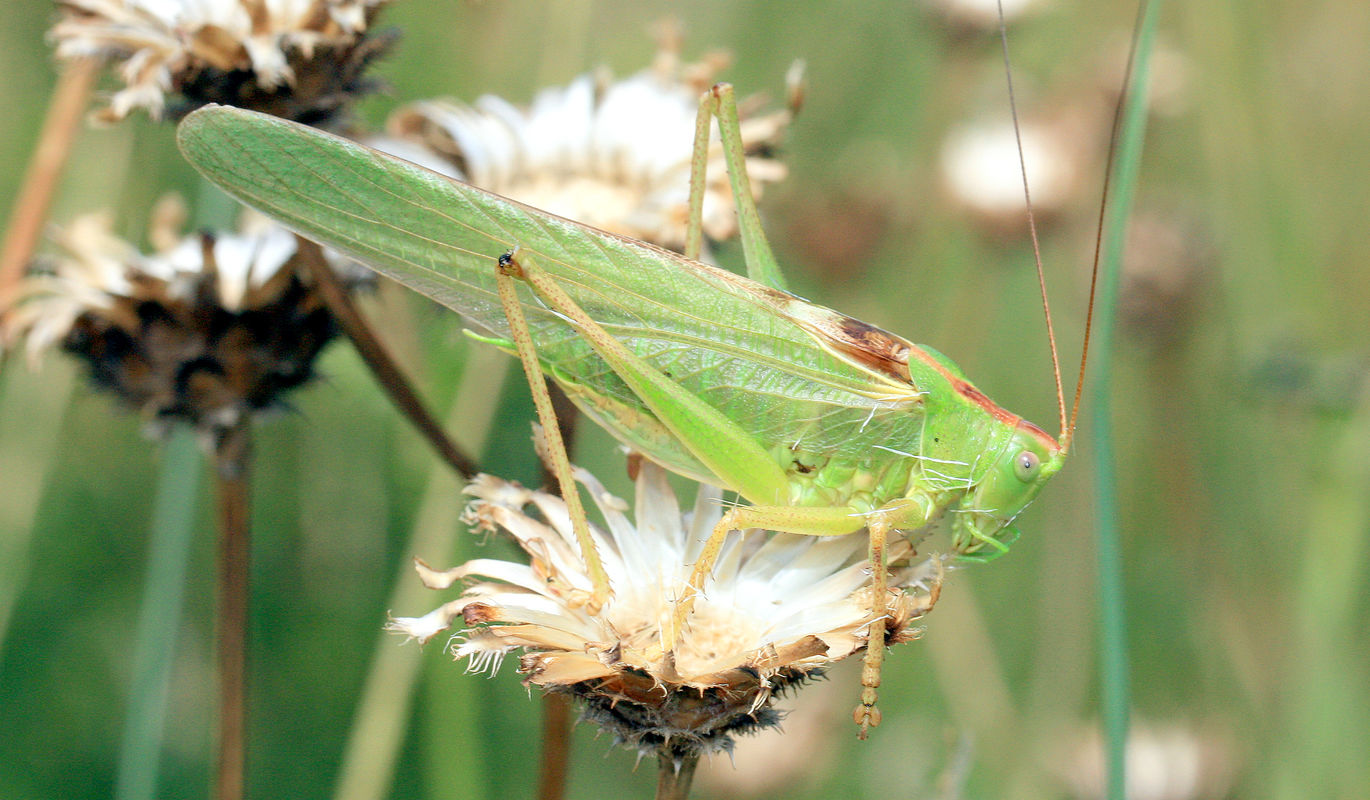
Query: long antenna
[1068,423]
[1066,431]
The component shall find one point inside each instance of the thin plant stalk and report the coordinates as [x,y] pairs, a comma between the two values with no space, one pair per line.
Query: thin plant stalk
[378,359]
[233,475]
[1114,667]
[675,775]
[169,550]
[44,173]
[556,747]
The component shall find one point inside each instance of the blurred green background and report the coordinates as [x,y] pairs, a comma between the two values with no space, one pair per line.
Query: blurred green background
[1240,404]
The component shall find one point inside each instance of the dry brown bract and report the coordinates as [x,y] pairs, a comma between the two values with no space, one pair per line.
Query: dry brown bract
[612,154]
[297,59]
[778,609]
[207,329]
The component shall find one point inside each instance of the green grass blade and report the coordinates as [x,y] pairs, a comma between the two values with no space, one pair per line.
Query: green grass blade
[173,526]
[387,701]
[1114,665]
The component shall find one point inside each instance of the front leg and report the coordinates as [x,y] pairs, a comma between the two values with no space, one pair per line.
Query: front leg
[867,715]
[820,521]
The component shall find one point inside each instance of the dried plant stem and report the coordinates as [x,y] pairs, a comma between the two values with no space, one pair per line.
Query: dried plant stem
[232,476]
[45,171]
[378,359]
[556,747]
[674,775]
[556,709]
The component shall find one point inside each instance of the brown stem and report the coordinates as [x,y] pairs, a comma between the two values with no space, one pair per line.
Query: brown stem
[674,775]
[232,476]
[556,747]
[375,355]
[556,709]
[44,172]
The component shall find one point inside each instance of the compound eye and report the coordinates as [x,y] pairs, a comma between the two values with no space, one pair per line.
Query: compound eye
[1025,465]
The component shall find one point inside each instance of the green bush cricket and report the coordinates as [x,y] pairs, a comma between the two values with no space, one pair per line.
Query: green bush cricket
[826,425]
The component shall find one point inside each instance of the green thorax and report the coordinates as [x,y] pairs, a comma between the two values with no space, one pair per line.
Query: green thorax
[956,436]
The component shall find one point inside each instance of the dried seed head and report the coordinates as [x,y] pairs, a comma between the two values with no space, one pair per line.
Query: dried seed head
[212,327]
[612,154]
[297,59]
[778,609]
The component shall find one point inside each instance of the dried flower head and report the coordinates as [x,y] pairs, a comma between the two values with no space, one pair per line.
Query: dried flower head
[210,327]
[297,59]
[778,609]
[612,154]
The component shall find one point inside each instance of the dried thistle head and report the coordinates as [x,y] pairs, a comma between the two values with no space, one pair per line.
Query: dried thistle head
[778,609]
[612,154]
[298,59]
[207,329]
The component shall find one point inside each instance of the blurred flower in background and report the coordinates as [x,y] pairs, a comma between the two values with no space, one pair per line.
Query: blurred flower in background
[981,171]
[297,59]
[209,328]
[1165,761]
[1064,146]
[980,15]
[777,610]
[1167,267]
[611,154]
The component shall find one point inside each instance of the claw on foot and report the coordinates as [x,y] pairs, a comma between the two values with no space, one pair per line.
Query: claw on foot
[867,717]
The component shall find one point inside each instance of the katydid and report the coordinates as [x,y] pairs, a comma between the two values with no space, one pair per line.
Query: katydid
[825,425]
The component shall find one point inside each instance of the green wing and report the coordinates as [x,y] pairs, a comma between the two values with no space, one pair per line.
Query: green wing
[727,340]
